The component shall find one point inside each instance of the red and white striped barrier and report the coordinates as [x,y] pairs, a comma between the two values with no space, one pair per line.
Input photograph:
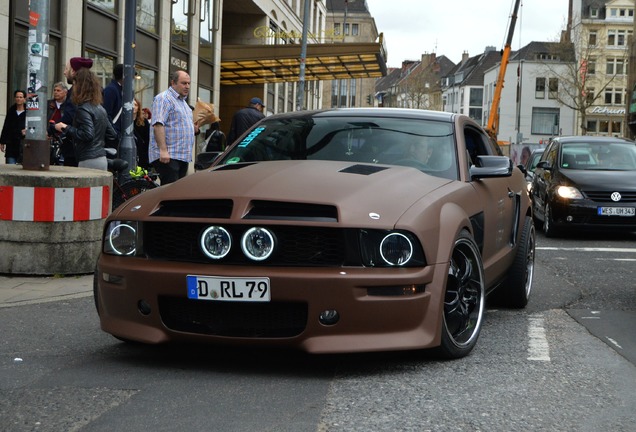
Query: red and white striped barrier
[47,204]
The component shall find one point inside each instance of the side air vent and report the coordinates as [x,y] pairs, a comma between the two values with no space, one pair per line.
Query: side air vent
[274,210]
[363,169]
[218,209]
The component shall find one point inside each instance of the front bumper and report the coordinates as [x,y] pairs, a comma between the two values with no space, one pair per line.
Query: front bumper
[583,213]
[146,301]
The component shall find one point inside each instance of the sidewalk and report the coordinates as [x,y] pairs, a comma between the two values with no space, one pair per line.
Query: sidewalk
[23,290]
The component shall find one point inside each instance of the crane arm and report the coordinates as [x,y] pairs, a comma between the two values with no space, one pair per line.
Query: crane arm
[493,119]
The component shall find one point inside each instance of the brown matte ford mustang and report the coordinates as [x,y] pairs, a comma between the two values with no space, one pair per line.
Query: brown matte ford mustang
[331,231]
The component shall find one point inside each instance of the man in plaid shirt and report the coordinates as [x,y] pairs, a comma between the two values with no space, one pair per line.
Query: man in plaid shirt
[172,139]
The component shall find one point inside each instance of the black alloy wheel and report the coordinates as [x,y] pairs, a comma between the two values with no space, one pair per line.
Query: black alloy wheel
[464,300]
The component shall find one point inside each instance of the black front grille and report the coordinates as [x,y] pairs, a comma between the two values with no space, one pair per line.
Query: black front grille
[605,196]
[232,319]
[296,246]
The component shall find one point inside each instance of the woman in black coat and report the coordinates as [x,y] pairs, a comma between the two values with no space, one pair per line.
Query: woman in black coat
[142,135]
[91,130]
[14,130]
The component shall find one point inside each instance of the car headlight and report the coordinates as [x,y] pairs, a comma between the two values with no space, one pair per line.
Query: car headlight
[390,249]
[569,192]
[216,242]
[121,238]
[257,243]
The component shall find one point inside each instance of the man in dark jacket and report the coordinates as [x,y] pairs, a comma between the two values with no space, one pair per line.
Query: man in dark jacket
[113,97]
[245,118]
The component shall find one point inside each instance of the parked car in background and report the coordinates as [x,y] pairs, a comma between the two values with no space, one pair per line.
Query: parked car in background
[330,231]
[586,182]
[531,165]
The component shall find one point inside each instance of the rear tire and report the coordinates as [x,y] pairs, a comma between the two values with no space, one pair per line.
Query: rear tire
[464,300]
[515,292]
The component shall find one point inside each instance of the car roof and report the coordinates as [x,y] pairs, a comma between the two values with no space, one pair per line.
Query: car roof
[592,139]
[372,112]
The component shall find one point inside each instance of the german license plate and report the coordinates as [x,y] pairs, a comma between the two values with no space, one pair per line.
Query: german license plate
[237,289]
[616,211]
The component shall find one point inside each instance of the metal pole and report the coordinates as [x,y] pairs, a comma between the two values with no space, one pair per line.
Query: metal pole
[127,147]
[300,96]
[36,145]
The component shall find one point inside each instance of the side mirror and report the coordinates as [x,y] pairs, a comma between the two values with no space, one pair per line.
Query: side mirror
[204,160]
[544,165]
[522,168]
[491,166]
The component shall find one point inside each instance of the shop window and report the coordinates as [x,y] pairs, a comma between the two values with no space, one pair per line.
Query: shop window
[603,126]
[147,13]
[617,127]
[592,126]
[108,6]
[182,10]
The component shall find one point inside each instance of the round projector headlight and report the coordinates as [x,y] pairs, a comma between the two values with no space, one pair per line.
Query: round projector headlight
[216,242]
[257,243]
[396,249]
[123,239]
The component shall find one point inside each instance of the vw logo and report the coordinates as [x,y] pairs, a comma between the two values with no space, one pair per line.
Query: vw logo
[615,196]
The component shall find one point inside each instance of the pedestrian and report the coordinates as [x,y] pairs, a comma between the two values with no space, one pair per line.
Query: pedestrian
[244,119]
[172,137]
[215,139]
[55,105]
[13,130]
[142,134]
[114,97]
[91,128]
[68,107]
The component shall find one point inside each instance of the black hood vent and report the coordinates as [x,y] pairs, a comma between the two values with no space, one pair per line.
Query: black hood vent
[274,210]
[363,169]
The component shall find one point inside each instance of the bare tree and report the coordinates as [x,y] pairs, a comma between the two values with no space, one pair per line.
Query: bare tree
[421,88]
[575,66]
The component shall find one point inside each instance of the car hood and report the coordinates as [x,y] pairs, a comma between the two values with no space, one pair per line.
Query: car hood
[355,189]
[602,180]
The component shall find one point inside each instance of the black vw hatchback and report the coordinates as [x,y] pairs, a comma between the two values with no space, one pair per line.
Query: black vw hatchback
[586,182]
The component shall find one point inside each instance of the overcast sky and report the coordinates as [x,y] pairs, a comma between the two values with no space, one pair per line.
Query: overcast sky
[450,27]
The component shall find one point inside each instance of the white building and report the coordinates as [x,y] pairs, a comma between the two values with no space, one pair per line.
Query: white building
[529,112]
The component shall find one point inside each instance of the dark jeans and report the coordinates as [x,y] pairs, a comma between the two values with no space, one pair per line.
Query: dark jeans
[172,171]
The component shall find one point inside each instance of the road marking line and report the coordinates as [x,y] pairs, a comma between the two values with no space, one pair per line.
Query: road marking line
[585,249]
[616,344]
[538,348]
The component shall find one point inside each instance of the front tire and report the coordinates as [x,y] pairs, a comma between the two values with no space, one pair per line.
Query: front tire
[548,223]
[464,299]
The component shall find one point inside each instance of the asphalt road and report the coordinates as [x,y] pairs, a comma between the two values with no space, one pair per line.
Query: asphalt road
[546,368]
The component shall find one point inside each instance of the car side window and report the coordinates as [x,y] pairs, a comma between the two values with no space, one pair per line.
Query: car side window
[551,153]
[476,144]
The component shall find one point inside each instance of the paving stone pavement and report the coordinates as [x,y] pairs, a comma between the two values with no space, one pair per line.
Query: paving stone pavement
[21,290]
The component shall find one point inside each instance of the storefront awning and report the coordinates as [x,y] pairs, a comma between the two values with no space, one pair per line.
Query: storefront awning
[259,64]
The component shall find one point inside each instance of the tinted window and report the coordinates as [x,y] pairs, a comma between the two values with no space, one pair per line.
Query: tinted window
[372,140]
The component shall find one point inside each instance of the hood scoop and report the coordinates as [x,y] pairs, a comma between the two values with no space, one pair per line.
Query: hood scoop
[363,169]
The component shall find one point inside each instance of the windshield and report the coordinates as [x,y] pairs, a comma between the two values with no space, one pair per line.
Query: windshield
[617,156]
[426,145]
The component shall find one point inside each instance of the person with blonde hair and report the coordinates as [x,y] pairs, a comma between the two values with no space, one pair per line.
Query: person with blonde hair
[91,128]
